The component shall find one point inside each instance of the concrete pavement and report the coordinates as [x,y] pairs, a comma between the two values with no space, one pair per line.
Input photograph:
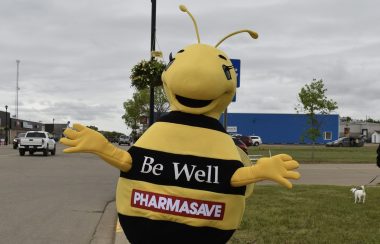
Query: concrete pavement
[338,174]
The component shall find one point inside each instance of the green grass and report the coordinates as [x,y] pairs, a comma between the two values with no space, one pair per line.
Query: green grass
[309,214]
[322,154]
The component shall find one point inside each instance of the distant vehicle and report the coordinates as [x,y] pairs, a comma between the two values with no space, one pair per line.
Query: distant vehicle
[235,134]
[240,144]
[16,140]
[347,142]
[113,139]
[256,140]
[37,141]
[246,139]
[125,140]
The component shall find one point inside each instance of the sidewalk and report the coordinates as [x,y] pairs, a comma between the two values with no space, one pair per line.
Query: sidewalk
[119,235]
[9,146]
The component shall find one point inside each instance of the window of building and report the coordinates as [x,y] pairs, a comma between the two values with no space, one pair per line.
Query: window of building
[328,135]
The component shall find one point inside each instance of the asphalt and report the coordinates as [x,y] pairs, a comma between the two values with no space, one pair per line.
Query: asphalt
[312,174]
[55,199]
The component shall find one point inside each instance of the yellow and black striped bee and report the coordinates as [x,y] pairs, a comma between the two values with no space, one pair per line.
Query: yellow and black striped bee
[184,180]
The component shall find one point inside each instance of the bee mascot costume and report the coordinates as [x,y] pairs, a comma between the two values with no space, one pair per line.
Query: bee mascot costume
[184,180]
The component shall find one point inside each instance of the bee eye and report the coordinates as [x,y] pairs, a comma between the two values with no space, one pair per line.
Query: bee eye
[222,57]
[226,70]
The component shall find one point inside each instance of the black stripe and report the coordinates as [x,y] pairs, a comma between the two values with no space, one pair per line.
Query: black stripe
[170,169]
[142,230]
[193,120]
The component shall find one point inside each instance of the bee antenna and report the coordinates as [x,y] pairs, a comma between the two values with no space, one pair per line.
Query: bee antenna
[253,34]
[184,9]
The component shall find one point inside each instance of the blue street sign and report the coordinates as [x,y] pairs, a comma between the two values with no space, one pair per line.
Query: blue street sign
[236,64]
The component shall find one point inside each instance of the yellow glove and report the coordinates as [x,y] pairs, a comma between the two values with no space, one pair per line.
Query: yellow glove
[84,139]
[246,162]
[276,168]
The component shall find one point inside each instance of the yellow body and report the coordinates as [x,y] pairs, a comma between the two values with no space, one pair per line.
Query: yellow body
[180,140]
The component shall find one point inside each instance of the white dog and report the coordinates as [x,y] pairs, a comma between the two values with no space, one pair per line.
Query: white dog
[359,194]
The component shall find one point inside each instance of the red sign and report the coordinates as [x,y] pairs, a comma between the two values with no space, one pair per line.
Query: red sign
[177,205]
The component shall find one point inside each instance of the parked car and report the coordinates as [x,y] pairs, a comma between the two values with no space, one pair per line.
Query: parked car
[347,142]
[240,144]
[16,140]
[256,140]
[37,141]
[125,140]
[113,139]
[235,134]
[246,139]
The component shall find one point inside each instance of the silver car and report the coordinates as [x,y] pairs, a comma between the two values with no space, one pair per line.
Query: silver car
[125,140]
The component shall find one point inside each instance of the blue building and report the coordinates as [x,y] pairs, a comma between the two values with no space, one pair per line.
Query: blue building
[282,128]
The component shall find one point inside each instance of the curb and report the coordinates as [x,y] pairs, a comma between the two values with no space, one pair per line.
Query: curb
[104,233]
[119,235]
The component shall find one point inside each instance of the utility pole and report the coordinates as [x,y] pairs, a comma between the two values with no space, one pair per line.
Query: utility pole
[17,88]
[6,125]
[152,48]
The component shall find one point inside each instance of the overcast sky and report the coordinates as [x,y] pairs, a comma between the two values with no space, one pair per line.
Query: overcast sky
[76,55]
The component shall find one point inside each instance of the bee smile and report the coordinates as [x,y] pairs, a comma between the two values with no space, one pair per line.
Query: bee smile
[193,103]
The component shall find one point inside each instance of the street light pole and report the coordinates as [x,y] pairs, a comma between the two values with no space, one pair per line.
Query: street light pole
[53,127]
[152,48]
[17,88]
[6,124]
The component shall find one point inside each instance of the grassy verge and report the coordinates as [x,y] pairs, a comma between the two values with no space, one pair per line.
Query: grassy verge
[322,154]
[309,214]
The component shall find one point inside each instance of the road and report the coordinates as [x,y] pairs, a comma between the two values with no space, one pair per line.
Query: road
[336,174]
[54,199]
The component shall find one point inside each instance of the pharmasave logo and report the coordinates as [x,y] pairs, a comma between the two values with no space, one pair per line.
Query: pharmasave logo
[177,205]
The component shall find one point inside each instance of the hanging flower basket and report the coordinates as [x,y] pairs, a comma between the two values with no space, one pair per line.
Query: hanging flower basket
[147,73]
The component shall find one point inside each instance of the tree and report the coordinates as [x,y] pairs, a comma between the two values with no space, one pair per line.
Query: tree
[112,136]
[93,127]
[147,74]
[312,101]
[161,104]
[135,108]
[138,107]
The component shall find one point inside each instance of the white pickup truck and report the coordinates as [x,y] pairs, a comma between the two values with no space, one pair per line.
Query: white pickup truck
[37,141]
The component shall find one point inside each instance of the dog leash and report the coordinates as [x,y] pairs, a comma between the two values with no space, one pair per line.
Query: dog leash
[372,179]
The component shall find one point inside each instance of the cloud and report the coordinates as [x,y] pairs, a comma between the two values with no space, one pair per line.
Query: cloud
[76,57]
